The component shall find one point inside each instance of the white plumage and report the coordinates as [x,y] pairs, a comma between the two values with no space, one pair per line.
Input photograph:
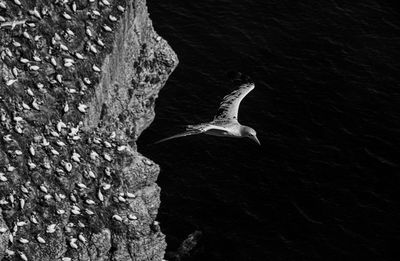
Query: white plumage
[225,122]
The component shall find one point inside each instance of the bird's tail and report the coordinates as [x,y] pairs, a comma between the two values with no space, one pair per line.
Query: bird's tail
[190,130]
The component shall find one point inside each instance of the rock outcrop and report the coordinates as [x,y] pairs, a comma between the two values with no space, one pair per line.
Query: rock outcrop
[78,84]
[186,248]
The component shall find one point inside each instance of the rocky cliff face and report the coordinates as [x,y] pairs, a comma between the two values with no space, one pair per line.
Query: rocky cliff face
[77,87]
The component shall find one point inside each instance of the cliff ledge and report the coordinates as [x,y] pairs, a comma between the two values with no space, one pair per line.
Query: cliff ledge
[78,84]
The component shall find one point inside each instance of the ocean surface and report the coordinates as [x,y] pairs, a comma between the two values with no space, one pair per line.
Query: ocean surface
[325,183]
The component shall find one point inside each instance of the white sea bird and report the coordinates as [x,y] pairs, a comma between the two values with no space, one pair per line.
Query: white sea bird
[225,123]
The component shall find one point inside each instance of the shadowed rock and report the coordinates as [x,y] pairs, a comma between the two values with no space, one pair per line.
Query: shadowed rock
[78,85]
[186,248]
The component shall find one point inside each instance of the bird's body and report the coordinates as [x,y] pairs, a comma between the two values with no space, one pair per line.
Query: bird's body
[224,129]
[225,123]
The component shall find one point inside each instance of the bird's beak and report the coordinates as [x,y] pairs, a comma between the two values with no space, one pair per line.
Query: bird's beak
[255,139]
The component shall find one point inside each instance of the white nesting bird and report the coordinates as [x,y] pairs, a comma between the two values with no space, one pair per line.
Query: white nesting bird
[225,123]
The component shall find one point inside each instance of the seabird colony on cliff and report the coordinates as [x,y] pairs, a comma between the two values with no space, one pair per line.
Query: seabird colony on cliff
[225,123]
[79,199]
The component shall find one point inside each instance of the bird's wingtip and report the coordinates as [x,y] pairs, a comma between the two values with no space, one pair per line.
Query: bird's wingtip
[159,141]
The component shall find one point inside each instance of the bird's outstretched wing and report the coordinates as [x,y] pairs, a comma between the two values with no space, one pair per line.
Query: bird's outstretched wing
[229,107]
[190,130]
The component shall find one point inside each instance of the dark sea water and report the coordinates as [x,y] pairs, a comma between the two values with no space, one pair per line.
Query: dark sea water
[325,183]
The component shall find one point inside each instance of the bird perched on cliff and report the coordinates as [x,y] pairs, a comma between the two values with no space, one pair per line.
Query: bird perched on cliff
[225,123]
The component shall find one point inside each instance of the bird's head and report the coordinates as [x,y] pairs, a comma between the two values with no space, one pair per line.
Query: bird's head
[250,133]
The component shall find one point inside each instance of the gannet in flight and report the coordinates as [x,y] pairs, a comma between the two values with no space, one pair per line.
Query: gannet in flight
[225,123]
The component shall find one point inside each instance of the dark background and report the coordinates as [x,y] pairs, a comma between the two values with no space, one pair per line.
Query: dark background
[326,107]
